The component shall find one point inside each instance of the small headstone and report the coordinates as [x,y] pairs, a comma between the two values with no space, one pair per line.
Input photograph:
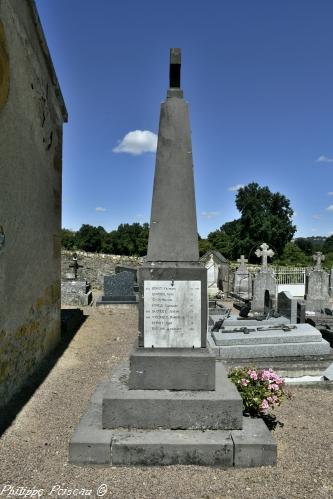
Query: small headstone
[74,292]
[287,306]
[118,289]
[243,280]
[264,284]
[317,286]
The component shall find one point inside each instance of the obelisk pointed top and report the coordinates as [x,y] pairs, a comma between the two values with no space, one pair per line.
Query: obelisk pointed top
[174,73]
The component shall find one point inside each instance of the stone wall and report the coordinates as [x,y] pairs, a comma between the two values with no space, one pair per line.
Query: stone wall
[31,117]
[96,265]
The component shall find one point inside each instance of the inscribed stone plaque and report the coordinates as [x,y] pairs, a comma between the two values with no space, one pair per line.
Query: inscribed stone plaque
[172,314]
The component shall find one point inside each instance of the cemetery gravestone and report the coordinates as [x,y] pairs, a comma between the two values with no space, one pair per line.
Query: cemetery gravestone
[74,292]
[243,280]
[118,289]
[287,306]
[264,285]
[317,286]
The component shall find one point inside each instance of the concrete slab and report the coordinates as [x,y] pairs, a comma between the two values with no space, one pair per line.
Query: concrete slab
[150,409]
[273,350]
[167,447]
[254,445]
[254,322]
[303,341]
[172,369]
[272,337]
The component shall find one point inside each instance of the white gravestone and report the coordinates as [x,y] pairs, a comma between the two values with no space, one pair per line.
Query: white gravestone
[172,314]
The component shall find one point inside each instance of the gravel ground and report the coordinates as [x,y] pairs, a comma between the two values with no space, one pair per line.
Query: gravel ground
[34,449]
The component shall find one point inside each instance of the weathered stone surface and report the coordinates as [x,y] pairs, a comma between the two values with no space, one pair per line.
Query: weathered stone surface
[264,292]
[97,265]
[317,290]
[118,288]
[150,409]
[251,446]
[75,293]
[119,285]
[243,280]
[172,369]
[278,344]
[254,445]
[32,113]
[173,195]
[166,447]
[287,306]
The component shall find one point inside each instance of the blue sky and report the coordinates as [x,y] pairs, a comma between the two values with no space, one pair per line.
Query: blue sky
[258,76]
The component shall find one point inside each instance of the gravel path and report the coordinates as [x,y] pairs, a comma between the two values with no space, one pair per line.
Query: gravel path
[34,449]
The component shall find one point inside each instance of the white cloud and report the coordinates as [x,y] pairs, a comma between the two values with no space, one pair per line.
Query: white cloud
[235,188]
[330,193]
[316,216]
[210,214]
[324,159]
[330,207]
[100,208]
[137,142]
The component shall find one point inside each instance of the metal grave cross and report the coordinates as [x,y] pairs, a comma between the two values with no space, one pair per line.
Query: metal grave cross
[264,253]
[175,65]
[75,265]
[318,257]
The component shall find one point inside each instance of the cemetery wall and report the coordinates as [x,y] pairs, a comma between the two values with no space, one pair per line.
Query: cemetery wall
[96,265]
[31,116]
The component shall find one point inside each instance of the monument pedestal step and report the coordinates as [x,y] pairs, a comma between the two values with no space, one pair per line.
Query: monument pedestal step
[217,409]
[253,445]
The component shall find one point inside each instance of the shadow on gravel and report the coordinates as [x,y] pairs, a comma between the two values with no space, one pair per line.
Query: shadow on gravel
[71,321]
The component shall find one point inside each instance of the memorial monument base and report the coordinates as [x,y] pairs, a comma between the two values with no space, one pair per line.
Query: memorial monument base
[228,438]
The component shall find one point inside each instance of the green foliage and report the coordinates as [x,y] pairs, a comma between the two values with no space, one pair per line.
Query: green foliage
[265,217]
[305,244]
[90,238]
[204,246]
[68,239]
[126,240]
[130,239]
[328,245]
[261,390]
[293,255]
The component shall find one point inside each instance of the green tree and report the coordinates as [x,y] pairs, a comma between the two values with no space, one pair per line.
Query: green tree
[68,239]
[204,246]
[130,239]
[293,255]
[90,238]
[265,217]
[328,245]
[304,243]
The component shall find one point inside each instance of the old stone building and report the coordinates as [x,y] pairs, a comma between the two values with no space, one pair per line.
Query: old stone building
[32,113]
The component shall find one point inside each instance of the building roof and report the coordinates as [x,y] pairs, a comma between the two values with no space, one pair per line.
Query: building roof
[48,59]
[217,255]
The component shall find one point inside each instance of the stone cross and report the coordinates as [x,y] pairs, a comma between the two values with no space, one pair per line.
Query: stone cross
[242,260]
[175,64]
[318,257]
[75,265]
[264,253]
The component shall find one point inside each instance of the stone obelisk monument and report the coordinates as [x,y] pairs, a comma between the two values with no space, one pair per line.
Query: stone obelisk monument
[174,404]
[172,283]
